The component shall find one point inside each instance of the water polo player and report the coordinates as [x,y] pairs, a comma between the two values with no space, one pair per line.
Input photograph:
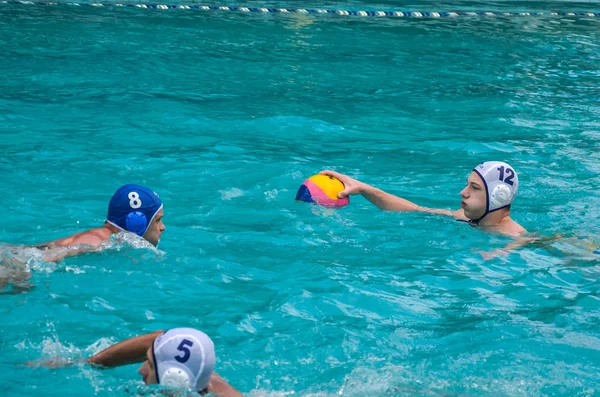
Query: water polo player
[180,358]
[133,208]
[486,200]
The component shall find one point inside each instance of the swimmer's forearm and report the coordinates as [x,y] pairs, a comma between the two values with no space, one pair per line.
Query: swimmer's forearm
[221,388]
[388,202]
[518,243]
[130,351]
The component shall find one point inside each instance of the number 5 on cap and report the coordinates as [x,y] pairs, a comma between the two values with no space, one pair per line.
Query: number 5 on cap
[186,352]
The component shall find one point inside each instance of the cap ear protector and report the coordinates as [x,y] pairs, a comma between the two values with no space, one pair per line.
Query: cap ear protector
[136,222]
[176,378]
[500,196]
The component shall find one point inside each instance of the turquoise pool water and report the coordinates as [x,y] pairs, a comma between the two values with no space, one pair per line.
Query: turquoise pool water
[225,115]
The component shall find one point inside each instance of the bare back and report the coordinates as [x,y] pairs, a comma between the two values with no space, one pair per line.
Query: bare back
[93,237]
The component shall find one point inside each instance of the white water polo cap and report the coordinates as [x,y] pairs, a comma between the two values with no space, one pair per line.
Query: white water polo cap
[184,358]
[501,184]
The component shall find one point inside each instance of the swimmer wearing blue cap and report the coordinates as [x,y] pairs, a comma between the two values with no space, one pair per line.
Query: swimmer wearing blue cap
[180,358]
[486,200]
[133,208]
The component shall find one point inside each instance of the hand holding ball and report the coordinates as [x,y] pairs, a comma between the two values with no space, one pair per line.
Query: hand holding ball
[323,190]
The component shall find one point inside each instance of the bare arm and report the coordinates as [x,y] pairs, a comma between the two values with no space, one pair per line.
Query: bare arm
[220,387]
[384,200]
[517,243]
[129,351]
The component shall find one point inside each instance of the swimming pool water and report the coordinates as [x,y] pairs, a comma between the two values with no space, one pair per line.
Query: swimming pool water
[225,115]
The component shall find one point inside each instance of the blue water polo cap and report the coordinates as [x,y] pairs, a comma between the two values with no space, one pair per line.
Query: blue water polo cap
[132,208]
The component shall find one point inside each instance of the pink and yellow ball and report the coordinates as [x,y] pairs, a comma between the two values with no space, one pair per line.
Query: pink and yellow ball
[323,190]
